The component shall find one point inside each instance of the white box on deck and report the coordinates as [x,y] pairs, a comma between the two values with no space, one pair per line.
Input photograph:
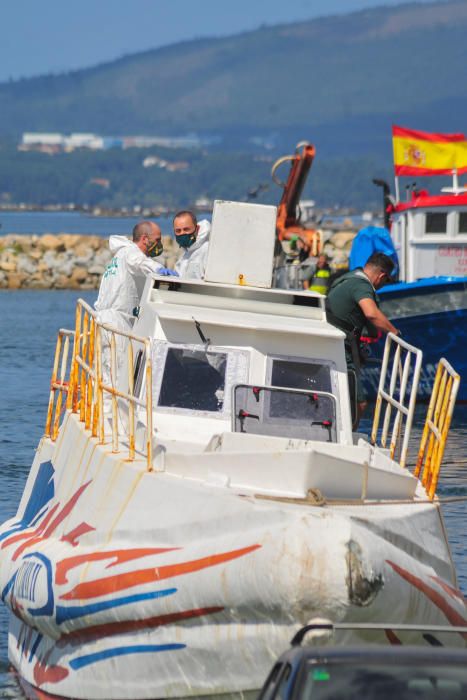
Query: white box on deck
[241,247]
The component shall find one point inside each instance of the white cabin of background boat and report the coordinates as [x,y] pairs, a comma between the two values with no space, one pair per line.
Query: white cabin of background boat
[257,327]
[429,232]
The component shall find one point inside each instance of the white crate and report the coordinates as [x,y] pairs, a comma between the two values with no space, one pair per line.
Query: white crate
[241,248]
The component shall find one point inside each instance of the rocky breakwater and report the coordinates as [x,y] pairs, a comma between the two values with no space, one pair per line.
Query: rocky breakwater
[62,261]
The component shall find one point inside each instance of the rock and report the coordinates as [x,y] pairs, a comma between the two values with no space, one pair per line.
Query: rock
[50,242]
[49,259]
[94,242]
[62,282]
[15,279]
[66,267]
[25,264]
[69,240]
[79,275]
[7,266]
[96,270]
[83,252]
[35,254]
[38,282]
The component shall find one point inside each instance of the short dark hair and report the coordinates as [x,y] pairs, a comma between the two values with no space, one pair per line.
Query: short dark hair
[142,228]
[186,212]
[381,262]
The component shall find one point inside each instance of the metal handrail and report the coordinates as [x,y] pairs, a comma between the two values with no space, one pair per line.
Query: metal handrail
[406,358]
[437,424]
[58,384]
[88,386]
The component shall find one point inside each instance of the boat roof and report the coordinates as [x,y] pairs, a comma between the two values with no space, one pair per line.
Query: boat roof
[427,201]
[248,307]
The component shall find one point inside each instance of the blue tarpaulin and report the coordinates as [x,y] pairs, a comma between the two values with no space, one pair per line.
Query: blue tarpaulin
[369,240]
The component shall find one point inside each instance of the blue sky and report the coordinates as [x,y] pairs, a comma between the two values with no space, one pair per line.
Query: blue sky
[50,36]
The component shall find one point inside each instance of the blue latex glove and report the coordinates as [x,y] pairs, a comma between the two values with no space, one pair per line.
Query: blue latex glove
[165,272]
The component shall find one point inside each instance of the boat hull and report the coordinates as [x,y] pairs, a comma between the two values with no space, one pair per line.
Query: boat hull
[125,583]
[431,315]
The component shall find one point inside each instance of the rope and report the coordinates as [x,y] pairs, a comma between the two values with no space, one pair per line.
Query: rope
[314,497]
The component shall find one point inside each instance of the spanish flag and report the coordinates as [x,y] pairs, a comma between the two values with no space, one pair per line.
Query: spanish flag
[422,153]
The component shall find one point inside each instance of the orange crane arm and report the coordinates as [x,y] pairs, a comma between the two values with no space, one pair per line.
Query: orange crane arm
[288,223]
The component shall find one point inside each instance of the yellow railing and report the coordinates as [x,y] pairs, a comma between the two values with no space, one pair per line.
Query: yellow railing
[96,387]
[58,383]
[437,424]
[397,393]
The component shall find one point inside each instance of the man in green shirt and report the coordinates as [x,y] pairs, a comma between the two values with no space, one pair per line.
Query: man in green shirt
[351,304]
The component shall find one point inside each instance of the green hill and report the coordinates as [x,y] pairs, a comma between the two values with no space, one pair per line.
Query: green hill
[339,81]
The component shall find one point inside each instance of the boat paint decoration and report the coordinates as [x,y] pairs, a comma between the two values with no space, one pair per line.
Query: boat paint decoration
[38,591]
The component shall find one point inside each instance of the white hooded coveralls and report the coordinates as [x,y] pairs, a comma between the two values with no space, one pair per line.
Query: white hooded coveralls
[192,263]
[119,293]
[123,281]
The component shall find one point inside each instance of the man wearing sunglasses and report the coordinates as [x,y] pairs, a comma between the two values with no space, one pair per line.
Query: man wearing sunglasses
[351,304]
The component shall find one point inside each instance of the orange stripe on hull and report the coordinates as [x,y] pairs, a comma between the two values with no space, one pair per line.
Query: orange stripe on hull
[113,584]
[118,555]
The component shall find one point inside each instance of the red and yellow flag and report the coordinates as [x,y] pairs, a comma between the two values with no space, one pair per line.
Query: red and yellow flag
[423,153]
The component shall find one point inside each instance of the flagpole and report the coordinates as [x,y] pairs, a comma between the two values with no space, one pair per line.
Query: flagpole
[455,181]
[396,188]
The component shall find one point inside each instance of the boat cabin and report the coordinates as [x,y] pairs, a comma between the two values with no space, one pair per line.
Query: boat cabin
[243,358]
[430,235]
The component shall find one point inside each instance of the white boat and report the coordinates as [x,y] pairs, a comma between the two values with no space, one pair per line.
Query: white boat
[181,521]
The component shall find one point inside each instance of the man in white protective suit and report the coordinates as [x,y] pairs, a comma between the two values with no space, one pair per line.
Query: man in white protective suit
[193,238]
[122,284]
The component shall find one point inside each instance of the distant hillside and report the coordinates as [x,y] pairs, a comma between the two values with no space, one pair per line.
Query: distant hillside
[338,81]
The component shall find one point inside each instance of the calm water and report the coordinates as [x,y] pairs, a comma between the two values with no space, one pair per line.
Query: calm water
[40,222]
[29,321]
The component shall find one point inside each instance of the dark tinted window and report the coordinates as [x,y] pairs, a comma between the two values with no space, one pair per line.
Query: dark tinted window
[284,413]
[463,222]
[436,222]
[193,379]
[301,375]
[384,682]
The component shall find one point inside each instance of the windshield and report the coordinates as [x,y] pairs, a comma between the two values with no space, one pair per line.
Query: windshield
[383,682]
[193,379]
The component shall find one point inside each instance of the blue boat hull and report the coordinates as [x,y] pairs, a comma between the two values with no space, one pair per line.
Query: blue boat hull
[432,315]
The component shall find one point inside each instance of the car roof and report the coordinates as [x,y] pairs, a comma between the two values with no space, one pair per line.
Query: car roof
[375,654]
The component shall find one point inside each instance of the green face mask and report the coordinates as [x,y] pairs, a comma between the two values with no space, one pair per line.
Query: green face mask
[185,240]
[154,249]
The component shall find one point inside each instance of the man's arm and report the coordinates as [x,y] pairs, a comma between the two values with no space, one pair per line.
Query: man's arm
[140,264]
[376,317]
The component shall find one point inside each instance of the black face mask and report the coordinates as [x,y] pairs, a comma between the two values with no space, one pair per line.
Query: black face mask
[154,249]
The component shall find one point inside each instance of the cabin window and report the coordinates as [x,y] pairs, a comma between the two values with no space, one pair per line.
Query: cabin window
[293,413]
[193,379]
[436,222]
[463,222]
[296,374]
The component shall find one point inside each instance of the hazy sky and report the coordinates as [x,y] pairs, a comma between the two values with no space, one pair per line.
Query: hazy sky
[44,36]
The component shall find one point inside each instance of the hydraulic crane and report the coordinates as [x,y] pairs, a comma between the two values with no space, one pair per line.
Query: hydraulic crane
[288,212]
